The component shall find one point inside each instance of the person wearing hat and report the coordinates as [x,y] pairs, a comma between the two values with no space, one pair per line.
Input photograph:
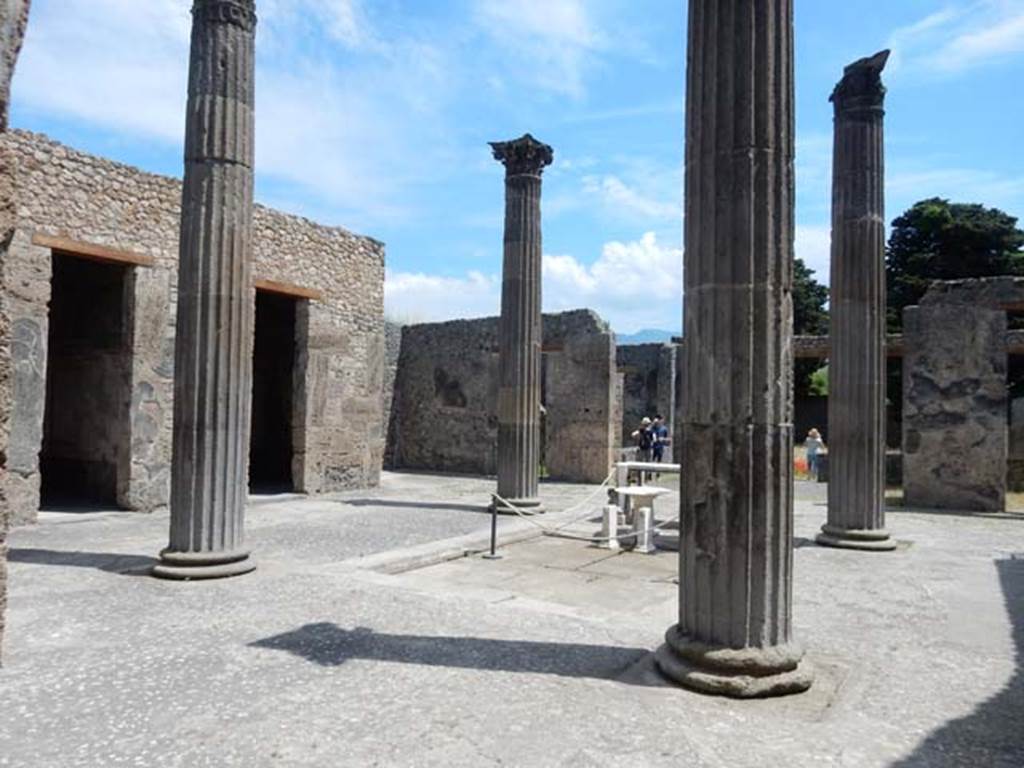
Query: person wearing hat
[644,438]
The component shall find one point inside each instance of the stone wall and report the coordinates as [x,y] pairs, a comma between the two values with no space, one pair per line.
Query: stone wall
[649,383]
[444,413]
[1015,448]
[578,393]
[13,21]
[955,407]
[338,440]
[392,350]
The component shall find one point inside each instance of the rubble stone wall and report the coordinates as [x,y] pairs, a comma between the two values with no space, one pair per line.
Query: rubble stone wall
[955,407]
[444,416]
[13,20]
[338,438]
[650,383]
[579,395]
[392,350]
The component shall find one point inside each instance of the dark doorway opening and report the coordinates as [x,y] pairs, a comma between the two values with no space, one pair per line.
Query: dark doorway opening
[84,457]
[273,370]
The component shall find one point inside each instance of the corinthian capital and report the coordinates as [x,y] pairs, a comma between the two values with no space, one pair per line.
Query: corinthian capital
[524,156]
[861,86]
[241,13]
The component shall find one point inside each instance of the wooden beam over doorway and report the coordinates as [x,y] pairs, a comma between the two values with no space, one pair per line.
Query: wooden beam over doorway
[287,289]
[92,251]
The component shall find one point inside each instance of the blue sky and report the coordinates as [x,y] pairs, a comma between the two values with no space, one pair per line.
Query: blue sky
[375,115]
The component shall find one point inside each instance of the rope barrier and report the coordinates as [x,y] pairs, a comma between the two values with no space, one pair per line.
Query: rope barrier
[557,532]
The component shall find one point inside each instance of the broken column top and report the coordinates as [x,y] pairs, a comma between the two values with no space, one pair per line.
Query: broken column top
[241,13]
[524,156]
[861,86]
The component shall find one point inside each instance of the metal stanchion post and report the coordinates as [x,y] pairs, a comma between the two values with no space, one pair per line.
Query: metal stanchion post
[493,554]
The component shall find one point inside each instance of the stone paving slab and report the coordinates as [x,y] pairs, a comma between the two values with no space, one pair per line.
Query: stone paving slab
[311,661]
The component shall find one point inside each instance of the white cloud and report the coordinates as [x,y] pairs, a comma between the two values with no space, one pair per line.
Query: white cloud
[954,40]
[351,133]
[814,246]
[344,21]
[632,285]
[415,297]
[552,41]
[623,199]
[109,62]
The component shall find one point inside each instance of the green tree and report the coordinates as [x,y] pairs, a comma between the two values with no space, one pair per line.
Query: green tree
[939,240]
[810,318]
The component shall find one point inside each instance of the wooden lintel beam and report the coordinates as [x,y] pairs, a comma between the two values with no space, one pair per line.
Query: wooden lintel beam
[287,289]
[91,250]
[818,347]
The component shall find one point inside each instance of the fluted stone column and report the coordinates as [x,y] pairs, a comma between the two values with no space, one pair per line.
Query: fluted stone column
[856,405]
[519,328]
[734,635]
[13,21]
[213,346]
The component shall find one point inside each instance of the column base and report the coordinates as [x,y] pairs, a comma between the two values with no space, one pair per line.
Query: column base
[531,506]
[748,673]
[194,566]
[856,538]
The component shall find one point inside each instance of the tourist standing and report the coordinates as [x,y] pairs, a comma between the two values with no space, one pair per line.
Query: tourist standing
[644,438]
[659,438]
[814,447]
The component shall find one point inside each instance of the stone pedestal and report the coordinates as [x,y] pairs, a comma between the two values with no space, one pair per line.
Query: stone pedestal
[13,20]
[213,345]
[856,405]
[734,635]
[519,328]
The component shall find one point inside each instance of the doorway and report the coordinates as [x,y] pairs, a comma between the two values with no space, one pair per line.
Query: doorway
[85,452]
[273,394]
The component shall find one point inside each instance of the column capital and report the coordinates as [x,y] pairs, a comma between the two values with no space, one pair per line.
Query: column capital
[524,156]
[861,87]
[240,13]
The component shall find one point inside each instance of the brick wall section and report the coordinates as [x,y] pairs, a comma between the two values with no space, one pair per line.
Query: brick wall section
[444,413]
[339,368]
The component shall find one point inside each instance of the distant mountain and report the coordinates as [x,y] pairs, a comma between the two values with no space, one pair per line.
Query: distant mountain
[646,336]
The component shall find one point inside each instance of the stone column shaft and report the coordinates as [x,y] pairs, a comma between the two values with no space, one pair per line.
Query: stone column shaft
[856,406]
[519,328]
[213,345]
[734,635]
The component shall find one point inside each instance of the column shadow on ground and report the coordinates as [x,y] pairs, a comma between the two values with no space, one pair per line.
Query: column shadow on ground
[993,734]
[397,504]
[329,645]
[127,565]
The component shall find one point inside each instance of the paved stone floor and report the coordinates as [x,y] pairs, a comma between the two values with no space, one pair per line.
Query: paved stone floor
[338,652]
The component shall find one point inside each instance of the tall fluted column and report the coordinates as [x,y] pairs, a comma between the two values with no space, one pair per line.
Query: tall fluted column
[519,328]
[734,635]
[213,346]
[13,20]
[856,404]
